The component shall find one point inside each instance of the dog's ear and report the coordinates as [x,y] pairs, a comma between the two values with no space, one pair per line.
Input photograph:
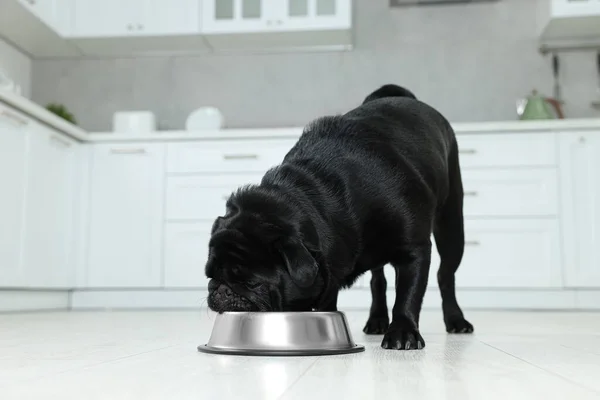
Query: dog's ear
[300,264]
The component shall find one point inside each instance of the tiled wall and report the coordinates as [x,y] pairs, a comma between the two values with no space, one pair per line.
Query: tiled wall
[470,61]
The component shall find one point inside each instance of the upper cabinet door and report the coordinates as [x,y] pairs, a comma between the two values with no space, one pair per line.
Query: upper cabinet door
[13,152]
[237,16]
[117,18]
[299,15]
[580,180]
[106,18]
[575,8]
[54,13]
[163,18]
[49,218]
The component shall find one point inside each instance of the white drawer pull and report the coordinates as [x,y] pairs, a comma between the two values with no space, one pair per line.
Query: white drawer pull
[472,243]
[471,193]
[128,151]
[467,151]
[225,197]
[14,117]
[240,156]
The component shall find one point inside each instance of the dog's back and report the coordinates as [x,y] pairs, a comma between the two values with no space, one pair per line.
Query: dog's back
[392,136]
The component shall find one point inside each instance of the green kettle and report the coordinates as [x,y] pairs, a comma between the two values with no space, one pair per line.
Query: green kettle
[537,107]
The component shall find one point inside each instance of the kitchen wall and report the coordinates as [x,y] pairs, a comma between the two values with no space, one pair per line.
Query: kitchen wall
[16,65]
[470,61]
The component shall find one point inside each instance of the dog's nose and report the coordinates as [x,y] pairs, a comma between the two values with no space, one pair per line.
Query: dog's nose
[224,290]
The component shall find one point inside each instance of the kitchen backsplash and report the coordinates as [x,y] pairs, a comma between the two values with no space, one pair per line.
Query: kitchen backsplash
[470,61]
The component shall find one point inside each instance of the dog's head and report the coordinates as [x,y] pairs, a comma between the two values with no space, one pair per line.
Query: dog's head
[258,260]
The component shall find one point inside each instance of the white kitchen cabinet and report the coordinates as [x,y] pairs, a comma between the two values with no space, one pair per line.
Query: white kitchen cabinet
[580,198]
[511,253]
[568,24]
[214,157]
[48,242]
[116,18]
[13,156]
[510,192]
[106,18]
[162,18]
[247,16]
[502,254]
[56,14]
[236,16]
[315,14]
[186,252]
[202,197]
[126,216]
[575,8]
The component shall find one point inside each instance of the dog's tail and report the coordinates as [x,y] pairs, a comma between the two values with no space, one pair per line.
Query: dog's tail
[389,91]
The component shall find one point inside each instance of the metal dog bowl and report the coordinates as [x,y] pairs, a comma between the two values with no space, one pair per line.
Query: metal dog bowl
[281,334]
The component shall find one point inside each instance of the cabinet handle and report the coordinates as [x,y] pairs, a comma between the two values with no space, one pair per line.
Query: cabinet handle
[269,22]
[472,243]
[128,151]
[467,151]
[471,193]
[240,157]
[225,197]
[129,27]
[140,27]
[581,139]
[14,117]
[60,140]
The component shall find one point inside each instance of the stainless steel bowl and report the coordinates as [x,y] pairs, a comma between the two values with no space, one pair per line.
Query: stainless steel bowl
[281,334]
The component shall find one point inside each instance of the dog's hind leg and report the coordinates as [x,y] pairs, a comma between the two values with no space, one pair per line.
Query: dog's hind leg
[450,241]
[379,320]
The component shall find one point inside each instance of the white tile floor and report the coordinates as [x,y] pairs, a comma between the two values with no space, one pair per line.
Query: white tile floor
[151,355]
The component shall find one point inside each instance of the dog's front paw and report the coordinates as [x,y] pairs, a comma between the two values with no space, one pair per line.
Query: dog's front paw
[402,339]
[377,325]
[458,325]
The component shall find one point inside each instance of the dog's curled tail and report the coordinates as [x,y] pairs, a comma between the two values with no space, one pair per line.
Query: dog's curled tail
[389,91]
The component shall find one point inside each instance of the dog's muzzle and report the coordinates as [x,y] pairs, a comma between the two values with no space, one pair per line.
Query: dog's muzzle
[222,298]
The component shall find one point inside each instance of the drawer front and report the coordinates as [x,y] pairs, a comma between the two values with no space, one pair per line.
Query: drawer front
[506,193]
[507,150]
[510,254]
[202,197]
[252,156]
[501,254]
[186,252]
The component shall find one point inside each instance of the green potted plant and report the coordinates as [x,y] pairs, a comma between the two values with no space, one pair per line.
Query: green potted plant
[62,112]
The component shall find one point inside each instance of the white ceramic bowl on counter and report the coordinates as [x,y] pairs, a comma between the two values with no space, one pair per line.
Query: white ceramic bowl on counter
[134,122]
[205,118]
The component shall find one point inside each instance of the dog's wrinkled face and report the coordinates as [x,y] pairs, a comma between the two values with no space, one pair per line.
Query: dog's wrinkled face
[258,263]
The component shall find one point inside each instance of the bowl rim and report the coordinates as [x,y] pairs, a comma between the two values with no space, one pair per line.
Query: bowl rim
[357,348]
[242,313]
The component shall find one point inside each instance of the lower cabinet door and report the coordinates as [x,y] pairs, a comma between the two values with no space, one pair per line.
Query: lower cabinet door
[48,238]
[521,253]
[126,216]
[499,254]
[186,252]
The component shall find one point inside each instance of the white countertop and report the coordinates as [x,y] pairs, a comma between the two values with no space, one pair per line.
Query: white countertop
[40,113]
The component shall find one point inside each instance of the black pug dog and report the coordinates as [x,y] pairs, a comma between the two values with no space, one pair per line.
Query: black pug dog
[356,192]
